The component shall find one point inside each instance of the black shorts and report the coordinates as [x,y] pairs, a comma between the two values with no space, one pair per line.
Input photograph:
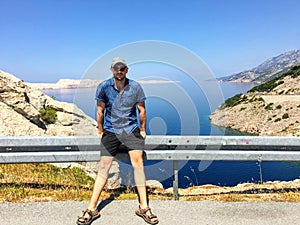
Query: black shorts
[112,143]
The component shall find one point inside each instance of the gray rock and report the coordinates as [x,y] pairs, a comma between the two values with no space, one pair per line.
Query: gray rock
[20,105]
[154,184]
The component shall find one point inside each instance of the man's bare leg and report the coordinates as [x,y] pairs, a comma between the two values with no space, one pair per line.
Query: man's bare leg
[136,158]
[139,175]
[101,179]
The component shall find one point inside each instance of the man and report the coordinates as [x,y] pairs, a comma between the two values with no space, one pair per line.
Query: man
[118,100]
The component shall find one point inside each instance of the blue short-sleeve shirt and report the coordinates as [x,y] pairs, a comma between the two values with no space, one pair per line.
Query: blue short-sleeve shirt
[120,106]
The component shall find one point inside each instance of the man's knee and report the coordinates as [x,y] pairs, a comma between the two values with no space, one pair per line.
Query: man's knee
[104,166]
[137,162]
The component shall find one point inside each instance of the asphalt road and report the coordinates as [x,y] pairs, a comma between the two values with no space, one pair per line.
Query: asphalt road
[169,212]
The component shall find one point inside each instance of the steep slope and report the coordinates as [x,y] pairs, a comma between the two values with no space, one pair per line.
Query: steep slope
[272,108]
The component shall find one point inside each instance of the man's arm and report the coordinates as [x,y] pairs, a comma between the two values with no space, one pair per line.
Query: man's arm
[100,117]
[142,111]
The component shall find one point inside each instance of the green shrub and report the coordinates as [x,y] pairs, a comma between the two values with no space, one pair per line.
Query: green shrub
[243,108]
[295,71]
[260,99]
[269,106]
[270,85]
[285,116]
[48,115]
[233,101]
[252,99]
[277,120]
[280,82]
[278,107]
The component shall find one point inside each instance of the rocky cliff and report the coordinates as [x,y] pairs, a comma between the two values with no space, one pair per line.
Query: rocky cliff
[21,107]
[270,109]
[268,70]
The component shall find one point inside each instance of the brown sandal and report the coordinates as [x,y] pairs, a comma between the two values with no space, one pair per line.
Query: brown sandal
[148,218]
[92,215]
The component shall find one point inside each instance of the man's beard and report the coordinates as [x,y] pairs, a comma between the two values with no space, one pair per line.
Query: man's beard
[120,78]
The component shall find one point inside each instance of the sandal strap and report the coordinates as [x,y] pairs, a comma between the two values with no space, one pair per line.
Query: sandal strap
[151,216]
[144,211]
[83,218]
[90,213]
[147,217]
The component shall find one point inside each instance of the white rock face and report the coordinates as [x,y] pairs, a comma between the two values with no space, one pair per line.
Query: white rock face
[20,116]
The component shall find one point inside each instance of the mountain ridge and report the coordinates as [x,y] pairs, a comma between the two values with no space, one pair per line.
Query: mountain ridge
[267,70]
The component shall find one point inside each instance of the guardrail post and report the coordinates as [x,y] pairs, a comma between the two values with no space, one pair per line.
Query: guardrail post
[175,180]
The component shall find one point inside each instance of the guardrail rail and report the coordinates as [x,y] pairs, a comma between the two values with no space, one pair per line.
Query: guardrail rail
[46,149]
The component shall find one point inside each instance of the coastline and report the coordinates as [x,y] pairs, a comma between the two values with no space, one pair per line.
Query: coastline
[86,83]
[65,84]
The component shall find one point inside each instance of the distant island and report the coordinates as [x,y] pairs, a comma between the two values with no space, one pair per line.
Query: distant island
[84,83]
[66,83]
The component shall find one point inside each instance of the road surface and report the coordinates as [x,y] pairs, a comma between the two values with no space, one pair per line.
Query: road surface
[121,212]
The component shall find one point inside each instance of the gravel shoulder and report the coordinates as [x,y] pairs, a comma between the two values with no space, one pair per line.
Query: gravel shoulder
[169,212]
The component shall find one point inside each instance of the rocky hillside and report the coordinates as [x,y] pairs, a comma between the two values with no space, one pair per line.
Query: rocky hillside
[272,108]
[268,70]
[26,111]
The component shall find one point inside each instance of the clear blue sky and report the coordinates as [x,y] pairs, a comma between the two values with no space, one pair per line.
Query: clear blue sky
[43,41]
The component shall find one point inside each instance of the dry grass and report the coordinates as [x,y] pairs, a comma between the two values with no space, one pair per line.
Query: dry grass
[45,182]
[264,197]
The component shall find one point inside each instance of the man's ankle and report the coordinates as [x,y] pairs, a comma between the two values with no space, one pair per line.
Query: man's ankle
[92,208]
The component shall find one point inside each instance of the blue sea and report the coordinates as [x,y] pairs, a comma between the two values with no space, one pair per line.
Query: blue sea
[182,108]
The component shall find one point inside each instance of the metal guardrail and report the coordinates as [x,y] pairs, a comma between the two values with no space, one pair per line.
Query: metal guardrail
[46,149]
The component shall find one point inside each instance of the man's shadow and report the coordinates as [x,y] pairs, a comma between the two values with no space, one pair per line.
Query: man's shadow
[105,202]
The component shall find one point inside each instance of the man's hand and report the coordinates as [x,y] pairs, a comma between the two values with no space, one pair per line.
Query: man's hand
[143,134]
[100,134]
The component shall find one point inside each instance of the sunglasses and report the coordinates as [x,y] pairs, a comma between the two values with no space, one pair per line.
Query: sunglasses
[119,68]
